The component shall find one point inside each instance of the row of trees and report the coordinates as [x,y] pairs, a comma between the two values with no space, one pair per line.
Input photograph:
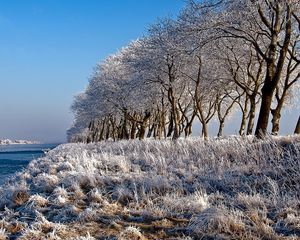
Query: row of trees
[218,57]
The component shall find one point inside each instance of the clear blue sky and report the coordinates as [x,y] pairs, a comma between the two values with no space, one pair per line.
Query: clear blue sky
[48,49]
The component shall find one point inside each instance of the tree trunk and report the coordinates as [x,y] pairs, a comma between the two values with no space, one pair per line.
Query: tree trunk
[144,125]
[274,71]
[155,129]
[175,116]
[221,127]
[277,111]
[188,129]
[297,129]
[176,133]
[160,126]
[164,128]
[275,121]
[205,130]
[151,129]
[251,115]
[108,131]
[189,124]
[133,130]
[264,113]
[101,137]
[142,132]
[171,126]
[203,122]
[113,132]
[244,117]
[124,131]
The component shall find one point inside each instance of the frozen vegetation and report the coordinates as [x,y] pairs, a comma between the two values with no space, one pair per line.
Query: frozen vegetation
[235,188]
[9,142]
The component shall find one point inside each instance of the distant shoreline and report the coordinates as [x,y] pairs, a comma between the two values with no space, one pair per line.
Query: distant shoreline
[14,142]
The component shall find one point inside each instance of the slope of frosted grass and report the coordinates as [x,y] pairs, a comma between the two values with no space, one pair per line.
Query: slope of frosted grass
[228,189]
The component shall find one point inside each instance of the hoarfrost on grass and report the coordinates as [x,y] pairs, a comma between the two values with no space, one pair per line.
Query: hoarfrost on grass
[235,187]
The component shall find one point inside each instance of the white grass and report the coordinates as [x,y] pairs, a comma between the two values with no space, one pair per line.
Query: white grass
[130,233]
[3,235]
[230,188]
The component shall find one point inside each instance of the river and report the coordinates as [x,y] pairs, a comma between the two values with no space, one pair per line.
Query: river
[15,157]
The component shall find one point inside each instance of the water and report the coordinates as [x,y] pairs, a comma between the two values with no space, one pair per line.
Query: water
[14,158]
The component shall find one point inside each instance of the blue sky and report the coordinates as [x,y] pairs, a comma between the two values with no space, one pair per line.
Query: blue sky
[48,49]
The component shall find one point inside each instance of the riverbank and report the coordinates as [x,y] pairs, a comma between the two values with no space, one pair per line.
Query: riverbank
[15,157]
[190,189]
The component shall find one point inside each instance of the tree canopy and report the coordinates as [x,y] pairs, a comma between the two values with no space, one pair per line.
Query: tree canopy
[217,57]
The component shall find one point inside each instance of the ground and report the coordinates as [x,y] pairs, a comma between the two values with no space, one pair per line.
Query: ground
[233,188]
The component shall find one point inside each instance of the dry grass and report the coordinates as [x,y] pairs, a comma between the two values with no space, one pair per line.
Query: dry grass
[190,189]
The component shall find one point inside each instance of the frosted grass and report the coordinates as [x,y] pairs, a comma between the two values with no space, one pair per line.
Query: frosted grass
[231,188]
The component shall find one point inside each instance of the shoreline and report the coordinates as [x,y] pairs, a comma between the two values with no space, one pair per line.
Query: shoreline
[5,142]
